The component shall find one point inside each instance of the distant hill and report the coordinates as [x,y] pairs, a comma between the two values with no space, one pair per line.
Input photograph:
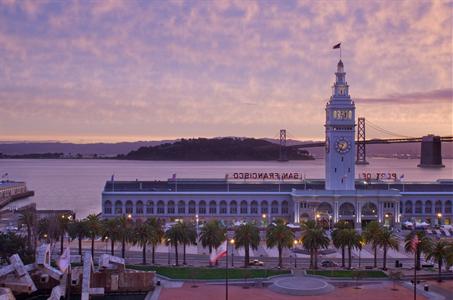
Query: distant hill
[222,149]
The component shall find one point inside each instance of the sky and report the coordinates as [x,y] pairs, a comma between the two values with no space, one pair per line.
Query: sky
[103,71]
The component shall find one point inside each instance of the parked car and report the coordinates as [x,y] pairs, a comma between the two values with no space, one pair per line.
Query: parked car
[328,264]
[256,262]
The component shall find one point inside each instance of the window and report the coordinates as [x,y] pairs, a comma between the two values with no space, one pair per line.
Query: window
[408,207]
[233,207]
[181,207]
[448,207]
[212,207]
[107,207]
[160,207]
[202,208]
[192,207]
[223,207]
[438,206]
[129,207]
[264,207]
[418,207]
[244,207]
[284,207]
[274,207]
[139,207]
[170,207]
[428,207]
[254,208]
[150,207]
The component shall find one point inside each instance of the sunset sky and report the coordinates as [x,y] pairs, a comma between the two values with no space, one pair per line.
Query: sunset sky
[88,71]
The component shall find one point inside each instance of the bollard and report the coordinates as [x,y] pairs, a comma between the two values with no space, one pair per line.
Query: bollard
[426,288]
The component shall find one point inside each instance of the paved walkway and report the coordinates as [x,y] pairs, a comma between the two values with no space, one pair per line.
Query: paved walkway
[445,288]
[207,292]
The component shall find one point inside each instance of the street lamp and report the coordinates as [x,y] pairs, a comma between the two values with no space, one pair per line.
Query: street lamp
[318,218]
[129,216]
[169,249]
[439,218]
[232,250]
[264,216]
[295,254]
[362,243]
[197,219]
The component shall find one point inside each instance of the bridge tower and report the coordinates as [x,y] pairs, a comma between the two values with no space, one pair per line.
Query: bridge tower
[361,146]
[431,152]
[283,150]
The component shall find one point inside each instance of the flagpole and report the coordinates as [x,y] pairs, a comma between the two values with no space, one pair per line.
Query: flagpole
[415,272]
[226,273]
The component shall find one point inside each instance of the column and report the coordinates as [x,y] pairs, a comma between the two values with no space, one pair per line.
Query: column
[358,215]
[335,211]
[397,212]
[296,212]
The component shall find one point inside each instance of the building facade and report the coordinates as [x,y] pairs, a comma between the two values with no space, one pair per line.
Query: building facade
[337,197]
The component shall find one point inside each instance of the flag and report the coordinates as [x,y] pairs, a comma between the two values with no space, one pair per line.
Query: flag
[173,176]
[414,242]
[337,46]
[113,177]
[218,253]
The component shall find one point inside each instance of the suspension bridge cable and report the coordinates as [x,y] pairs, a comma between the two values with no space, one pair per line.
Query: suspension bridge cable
[378,128]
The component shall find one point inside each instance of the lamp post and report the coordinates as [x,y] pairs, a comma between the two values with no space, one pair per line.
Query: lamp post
[318,217]
[169,249]
[439,218]
[264,216]
[232,250]
[295,254]
[330,221]
[197,219]
[362,243]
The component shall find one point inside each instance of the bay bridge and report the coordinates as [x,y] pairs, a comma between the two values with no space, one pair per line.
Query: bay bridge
[431,145]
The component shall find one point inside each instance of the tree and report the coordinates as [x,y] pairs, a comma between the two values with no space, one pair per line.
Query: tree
[353,240]
[189,237]
[174,236]
[212,235]
[93,226]
[248,236]
[314,238]
[111,230]
[371,233]
[387,240]
[281,236]
[339,239]
[63,223]
[438,251]
[422,247]
[11,243]
[124,233]
[77,229]
[28,218]
[142,236]
[157,234]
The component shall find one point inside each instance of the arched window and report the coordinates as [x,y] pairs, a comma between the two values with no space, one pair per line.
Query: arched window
[192,207]
[181,207]
[150,207]
[418,207]
[264,207]
[244,207]
[284,207]
[160,207]
[323,208]
[254,207]
[438,207]
[274,207]
[139,207]
[428,207]
[223,207]
[369,209]
[170,207]
[107,207]
[118,207]
[347,209]
[408,207]
[448,207]
[233,207]
[202,208]
[212,207]
[129,207]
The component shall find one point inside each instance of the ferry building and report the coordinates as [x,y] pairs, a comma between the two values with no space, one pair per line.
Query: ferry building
[252,196]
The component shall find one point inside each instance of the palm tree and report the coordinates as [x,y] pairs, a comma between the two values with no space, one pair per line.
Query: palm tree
[142,235]
[63,223]
[313,238]
[77,229]
[387,240]
[339,238]
[173,237]
[110,229]
[124,232]
[371,233]
[280,235]
[247,235]
[424,244]
[353,240]
[189,237]
[212,235]
[28,218]
[93,226]
[157,233]
[439,252]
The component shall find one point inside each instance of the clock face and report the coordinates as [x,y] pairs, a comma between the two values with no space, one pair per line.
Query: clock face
[342,145]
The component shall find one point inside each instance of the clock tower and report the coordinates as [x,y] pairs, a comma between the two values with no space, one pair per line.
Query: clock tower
[340,129]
